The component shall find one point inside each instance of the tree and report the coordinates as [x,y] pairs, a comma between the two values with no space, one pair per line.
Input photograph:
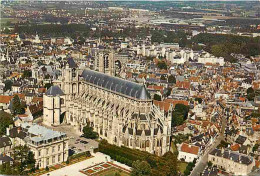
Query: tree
[179,114]
[88,132]
[117,174]
[48,85]
[8,85]
[23,159]
[182,109]
[162,65]
[169,90]
[255,148]
[198,100]
[6,169]
[47,76]
[163,77]
[171,79]
[210,164]
[149,58]
[5,120]
[16,107]
[39,63]
[171,163]
[141,168]
[177,119]
[250,90]
[157,97]
[217,50]
[250,94]
[27,74]
[30,161]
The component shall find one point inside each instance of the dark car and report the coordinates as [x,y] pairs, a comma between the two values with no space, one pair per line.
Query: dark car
[83,142]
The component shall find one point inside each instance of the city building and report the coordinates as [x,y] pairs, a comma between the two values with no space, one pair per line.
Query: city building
[232,162]
[120,111]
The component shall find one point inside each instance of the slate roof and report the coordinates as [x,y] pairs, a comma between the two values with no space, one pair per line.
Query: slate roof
[241,139]
[54,91]
[5,158]
[72,63]
[5,141]
[41,133]
[234,156]
[116,84]
[17,132]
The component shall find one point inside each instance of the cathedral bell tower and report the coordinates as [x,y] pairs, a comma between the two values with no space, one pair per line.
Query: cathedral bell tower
[53,101]
[105,63]
[70,79]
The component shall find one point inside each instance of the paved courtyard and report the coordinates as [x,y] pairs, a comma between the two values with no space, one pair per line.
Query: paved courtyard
[74,169]
[76,143]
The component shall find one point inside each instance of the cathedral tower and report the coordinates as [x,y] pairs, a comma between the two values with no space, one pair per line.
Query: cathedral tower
[53,101]
[105,63]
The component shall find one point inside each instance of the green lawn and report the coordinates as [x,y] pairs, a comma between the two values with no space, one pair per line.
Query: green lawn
[112,172]
[183,166]
[174,149]
[4,21]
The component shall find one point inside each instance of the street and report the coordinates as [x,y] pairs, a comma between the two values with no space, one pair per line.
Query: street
[202,163]
[76,143]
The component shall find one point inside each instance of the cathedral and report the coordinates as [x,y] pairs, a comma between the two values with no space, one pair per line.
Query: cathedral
[122,112]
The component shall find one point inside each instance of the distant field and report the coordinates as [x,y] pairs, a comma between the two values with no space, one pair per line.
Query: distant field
[4,21]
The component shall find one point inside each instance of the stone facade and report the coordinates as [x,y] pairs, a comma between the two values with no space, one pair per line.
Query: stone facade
[120,111]
[53,106]
[49,147]
[232,162]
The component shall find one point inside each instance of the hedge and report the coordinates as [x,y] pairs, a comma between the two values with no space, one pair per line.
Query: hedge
[87,153]
[127,156]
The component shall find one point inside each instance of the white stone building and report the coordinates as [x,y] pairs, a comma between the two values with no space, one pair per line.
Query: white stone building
[188,152]
[120,111]
[232,162]
[49,147]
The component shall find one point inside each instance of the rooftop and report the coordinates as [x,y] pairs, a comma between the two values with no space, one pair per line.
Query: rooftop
[234,156]
[54,91]
[40,133]
[116,84]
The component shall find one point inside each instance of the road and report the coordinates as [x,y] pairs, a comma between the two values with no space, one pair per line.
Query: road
[203,161]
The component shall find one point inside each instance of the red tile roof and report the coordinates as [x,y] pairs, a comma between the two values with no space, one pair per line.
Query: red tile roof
[21,96]
[162,105]
[174,102]
[37,99]
[5,99]
[190,148]
[256,127]
[183,84]
[235,147]
[42,90]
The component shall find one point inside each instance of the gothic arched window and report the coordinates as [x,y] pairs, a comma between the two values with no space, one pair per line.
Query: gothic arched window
[61,101]
[73,72]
